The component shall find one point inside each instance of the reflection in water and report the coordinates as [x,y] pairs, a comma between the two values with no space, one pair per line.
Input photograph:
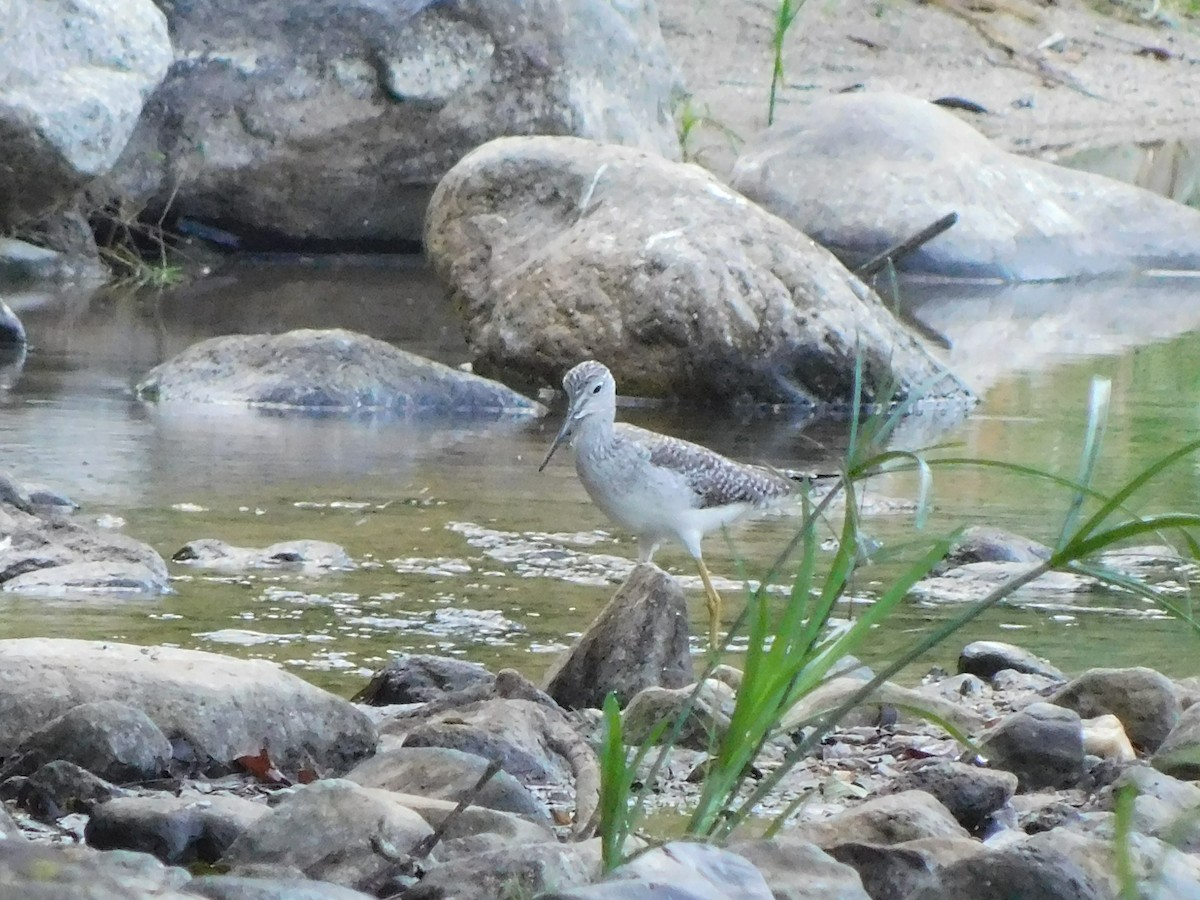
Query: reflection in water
[1169,168]
[462,547]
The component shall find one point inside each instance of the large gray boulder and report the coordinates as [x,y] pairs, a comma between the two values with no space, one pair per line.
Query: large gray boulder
[329,370]
[558,249]
[334,119]
[862,172]
[73,77]
[214,709]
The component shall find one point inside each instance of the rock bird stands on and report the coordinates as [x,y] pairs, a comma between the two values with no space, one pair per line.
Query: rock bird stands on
[656,486]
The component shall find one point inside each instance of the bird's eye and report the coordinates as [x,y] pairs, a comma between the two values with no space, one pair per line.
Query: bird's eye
[596,389]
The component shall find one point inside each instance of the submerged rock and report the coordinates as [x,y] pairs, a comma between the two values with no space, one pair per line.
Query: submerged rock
[557,249]
[984,543]
[861,172]
[311,556]
[332,371]
[333,121]
[639,640]
[248,706]
[986,658]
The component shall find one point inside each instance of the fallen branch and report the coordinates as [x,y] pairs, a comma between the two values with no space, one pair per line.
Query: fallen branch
[905,247]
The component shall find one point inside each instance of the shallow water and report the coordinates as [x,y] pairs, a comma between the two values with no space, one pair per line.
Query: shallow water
[462,547]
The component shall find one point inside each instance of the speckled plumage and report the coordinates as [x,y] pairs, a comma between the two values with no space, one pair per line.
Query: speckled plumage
[656,486]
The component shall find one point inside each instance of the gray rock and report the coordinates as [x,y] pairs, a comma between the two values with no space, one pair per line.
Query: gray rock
[986,658]
[75,578]
[73,78]
[20,264]
[464,832]
[677,871]
[1179,753]
[639,640]
[557,249]
[515,724]
[175,829]
[1039,868]
[333,121]
[798,870]
[328,830]
[111,740]
[443,774]
[886,871]
[32,871]
[509,730]
[1041,744]
[1144,700]
[248,705]
[305,555]
[234,887]
[707,720]
[874,708]
[984,543]
[971,793]
[328,371]
[416,678]
[33,547]
[60,788]
[861,172]
[890,819]
[502,874]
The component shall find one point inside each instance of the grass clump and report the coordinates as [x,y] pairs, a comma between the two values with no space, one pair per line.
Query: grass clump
[793,645]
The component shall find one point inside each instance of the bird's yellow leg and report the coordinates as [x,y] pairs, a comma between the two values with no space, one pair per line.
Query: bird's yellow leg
[714,605]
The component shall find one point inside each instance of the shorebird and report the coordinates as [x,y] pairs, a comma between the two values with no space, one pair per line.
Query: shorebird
[656,486]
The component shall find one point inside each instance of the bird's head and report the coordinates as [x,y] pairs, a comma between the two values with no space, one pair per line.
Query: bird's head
[591,391]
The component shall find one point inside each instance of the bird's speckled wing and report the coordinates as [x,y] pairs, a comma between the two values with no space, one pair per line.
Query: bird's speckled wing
[716,480]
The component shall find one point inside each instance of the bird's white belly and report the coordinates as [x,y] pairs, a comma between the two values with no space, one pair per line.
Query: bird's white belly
[656,506]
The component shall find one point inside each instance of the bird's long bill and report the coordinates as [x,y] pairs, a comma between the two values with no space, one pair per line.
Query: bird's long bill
[563,434]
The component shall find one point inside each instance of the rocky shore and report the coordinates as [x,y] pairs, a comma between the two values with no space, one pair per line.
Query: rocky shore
[222,778]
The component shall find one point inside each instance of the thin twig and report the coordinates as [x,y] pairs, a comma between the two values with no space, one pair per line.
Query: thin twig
[906,246]
[428,843]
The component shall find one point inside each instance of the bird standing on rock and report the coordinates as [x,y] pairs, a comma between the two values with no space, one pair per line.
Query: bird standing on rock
[657,487]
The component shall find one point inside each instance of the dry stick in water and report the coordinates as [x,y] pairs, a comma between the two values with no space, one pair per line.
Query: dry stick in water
[907,246]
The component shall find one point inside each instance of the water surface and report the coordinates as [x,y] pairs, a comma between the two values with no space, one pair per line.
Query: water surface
[463,548]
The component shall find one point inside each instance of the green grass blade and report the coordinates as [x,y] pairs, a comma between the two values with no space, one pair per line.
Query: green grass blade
[1098,403]
[1117,500]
